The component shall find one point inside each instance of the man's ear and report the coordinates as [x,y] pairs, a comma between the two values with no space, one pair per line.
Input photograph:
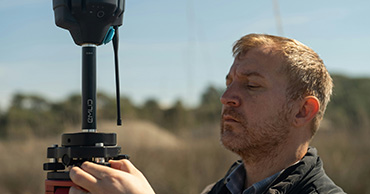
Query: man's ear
[307,110]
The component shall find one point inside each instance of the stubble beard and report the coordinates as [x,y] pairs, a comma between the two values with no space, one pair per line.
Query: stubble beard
[255,141]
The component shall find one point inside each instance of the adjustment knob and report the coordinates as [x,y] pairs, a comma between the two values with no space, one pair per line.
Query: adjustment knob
[53,166]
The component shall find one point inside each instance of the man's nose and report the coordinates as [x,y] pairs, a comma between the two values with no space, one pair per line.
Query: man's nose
[230,98]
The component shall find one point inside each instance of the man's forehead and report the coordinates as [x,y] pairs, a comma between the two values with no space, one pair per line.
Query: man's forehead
[258,62]
[248,68]
[270,51]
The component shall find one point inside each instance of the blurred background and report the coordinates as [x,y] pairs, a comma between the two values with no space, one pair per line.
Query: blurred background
[174,56]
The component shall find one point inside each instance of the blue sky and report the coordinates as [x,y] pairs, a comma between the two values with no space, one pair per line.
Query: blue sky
[172,49]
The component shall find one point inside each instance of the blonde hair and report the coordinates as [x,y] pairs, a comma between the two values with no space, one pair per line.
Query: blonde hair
[306,71]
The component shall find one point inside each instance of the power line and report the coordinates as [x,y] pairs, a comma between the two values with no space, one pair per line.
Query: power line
[279,25]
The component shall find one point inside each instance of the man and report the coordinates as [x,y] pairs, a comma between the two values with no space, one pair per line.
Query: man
[276,96]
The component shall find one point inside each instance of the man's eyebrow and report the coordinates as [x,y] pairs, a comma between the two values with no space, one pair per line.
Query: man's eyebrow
[251,74]
[246,74]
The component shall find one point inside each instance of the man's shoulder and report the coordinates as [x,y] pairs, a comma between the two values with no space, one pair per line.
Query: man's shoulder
[316,178]
[324,184]
[320,186]
[306,176]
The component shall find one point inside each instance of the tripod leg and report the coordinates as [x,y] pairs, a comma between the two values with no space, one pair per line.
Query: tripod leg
[57,187]
[63,190]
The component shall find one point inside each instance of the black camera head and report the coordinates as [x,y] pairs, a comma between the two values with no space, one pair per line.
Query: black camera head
[88,21]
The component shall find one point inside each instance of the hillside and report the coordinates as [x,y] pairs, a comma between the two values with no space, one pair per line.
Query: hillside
[142,134]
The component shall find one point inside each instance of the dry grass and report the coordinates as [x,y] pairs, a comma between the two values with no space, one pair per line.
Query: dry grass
[346,159]
[183,165]
[172,164]
[21,165]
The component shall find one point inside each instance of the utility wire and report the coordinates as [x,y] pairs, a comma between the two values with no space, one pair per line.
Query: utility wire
[279,25]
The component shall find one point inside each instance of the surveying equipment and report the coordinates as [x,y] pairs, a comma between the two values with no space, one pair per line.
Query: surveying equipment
[90,23]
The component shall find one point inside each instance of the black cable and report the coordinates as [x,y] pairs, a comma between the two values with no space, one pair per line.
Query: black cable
[118,98]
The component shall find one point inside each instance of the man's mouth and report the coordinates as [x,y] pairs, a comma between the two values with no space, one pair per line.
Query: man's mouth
[229,118]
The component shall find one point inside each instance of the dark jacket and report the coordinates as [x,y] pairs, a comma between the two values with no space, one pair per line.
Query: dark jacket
[305,177]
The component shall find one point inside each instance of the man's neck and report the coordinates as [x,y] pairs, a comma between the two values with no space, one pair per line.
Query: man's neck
[275,161]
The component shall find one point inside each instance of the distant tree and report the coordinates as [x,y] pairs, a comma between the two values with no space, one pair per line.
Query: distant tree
[151,111]
[30,115]
[176,118]
[106,107]
[209,109]
[3,125]
[69,110]
[350,104]
[129,110]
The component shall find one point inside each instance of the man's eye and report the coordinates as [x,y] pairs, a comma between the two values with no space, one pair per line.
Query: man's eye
[253,86]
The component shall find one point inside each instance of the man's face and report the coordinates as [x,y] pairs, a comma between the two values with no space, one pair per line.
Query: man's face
[254,113]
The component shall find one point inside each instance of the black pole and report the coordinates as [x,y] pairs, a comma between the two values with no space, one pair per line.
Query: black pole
[89,87]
